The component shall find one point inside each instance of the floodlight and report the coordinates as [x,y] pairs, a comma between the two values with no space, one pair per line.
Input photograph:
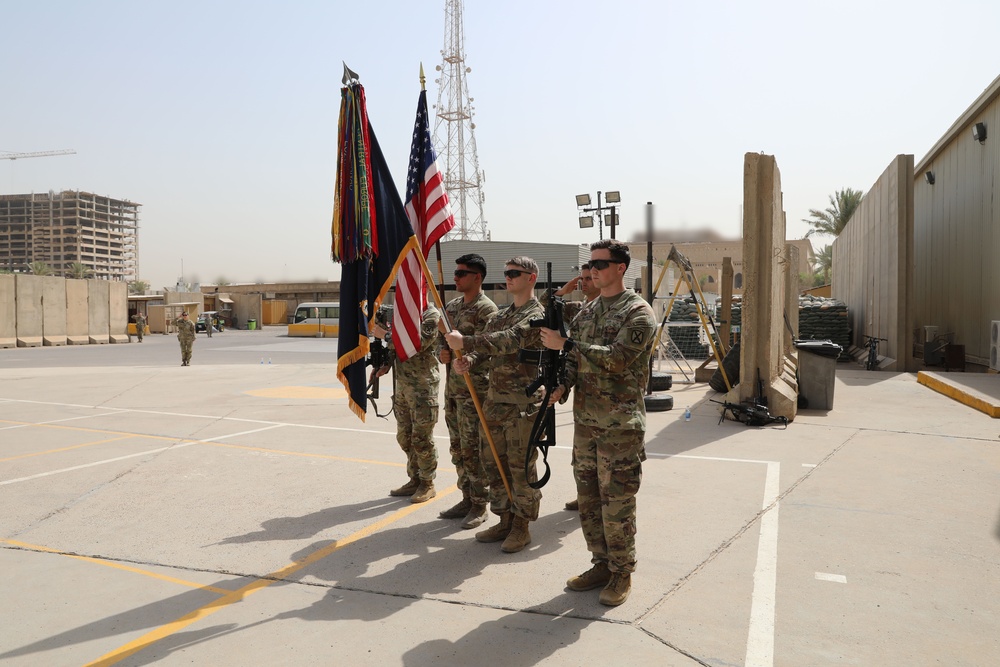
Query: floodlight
[613,197]
[979,132]
[583,200]
[586,221]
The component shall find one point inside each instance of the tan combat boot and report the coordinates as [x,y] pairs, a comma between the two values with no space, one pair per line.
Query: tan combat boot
[407,489]
[425,491]
[573,505]
[599,575]
[497,532]
[518,538]
[617,589]
[475,517]
[458,511]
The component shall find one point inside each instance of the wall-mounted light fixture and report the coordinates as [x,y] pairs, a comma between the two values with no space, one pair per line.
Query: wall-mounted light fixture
[929,177]
[979,132]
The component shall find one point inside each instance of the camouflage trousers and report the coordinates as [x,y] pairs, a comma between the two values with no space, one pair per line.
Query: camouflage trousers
[511,434]
[607,466]
[186,346]
[467,447]
[415,421]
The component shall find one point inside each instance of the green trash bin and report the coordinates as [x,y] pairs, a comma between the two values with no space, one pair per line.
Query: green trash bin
[251,324]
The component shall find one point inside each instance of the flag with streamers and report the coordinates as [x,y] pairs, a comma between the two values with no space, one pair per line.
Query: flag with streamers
[431,218]
[371,237]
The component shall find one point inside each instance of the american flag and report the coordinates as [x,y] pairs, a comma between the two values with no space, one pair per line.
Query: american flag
[430,216]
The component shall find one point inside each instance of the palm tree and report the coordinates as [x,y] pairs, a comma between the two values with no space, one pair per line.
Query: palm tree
[222,282]
[79,270]
[138,287]
[40,269]
[832,221]
[824,262]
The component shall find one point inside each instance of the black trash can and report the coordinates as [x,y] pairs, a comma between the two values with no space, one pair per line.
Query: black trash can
[817,372]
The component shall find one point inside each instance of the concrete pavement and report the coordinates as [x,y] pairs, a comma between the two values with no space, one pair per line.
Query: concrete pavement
[236,513]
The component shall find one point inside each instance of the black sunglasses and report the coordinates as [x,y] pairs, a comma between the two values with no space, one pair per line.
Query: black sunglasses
[601,264]
[461,273]
[514,273]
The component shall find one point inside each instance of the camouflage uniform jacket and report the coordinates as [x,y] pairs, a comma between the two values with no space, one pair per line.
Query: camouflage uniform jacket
[185,329]
[610,365]
[469,319]
[505,334]
[418,376]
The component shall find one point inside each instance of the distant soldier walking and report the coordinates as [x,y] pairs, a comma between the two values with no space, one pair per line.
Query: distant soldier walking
[140,326]
[185,334]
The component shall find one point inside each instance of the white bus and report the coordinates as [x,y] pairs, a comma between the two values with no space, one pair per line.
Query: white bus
[318,319]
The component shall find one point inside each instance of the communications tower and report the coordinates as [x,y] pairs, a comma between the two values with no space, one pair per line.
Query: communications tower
[454,133]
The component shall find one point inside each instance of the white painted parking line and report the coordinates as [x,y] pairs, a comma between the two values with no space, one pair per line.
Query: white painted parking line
[808,465]
[837,578]
[131,456]
[53,421]
[760,639]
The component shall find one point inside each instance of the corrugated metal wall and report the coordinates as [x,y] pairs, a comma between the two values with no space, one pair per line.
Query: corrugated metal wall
[957,231]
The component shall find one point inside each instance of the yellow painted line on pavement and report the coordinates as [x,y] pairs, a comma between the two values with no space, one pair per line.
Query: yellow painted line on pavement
[121,566]
[66,449]
[239,595]
[97,430]
[309,455]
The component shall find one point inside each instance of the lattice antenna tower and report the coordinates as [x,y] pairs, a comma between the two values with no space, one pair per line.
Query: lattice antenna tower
[454,132]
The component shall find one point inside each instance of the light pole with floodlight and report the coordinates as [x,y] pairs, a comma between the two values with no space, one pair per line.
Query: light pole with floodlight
[587,221]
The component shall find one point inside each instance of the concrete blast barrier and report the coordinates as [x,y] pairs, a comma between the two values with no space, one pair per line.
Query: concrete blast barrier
[118,312]
[29,292]
[77,312]
[98,304]
[53,310]
[765,354]
[8,312]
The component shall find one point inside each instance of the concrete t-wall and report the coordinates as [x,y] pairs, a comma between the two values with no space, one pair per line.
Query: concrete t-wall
[98,297]
[53,310]
[118,312]
[872,260]
[77,312]
[8,312]
[28,295]
[763,352]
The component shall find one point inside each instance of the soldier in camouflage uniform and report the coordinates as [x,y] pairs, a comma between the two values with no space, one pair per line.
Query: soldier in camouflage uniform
[140,326]
[509,413]
[185,334]
[415,403]
[608,364]
[468,315]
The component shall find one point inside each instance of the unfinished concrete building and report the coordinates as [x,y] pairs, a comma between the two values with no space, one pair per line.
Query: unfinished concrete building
[60,228]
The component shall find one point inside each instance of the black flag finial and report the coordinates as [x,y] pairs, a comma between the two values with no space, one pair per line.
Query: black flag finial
[349,74]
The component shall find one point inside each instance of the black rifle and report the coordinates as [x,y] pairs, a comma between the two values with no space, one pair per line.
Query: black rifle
[378,356]
[551,374]
[751,413]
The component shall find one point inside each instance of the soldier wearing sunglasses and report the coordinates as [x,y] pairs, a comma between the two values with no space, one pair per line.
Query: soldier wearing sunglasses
[509,413]
[608,363]
[469,315]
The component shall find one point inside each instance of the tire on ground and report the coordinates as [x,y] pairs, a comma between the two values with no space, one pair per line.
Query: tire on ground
[658,402]
[660,381]
[731,362]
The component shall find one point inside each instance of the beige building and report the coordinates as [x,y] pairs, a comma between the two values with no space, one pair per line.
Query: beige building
[60,228]
[705,250]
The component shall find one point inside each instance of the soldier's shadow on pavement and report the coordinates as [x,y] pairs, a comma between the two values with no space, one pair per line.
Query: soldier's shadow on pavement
[307,525]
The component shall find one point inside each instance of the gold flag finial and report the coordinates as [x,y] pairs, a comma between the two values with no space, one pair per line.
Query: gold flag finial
[422,79]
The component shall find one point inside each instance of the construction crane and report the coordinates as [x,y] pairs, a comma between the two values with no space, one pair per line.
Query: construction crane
[15,156]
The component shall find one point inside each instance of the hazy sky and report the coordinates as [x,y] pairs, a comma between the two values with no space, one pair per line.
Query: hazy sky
[220,117]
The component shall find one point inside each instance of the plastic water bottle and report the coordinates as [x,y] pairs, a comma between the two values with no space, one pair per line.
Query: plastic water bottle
[687,414]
